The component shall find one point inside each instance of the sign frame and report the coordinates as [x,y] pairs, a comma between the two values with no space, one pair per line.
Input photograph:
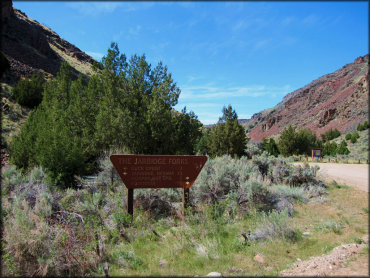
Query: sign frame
[158,171]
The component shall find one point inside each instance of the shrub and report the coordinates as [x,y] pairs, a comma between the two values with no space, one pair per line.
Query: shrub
[348,136]
[28,92]
[343,148]
[330,135]
[330,149]
[363,126]
[354,137]
[275,226]
[294,143]
[329,226]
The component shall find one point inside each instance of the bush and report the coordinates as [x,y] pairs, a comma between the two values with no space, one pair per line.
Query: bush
[348,136]
[330,149]
[343,148]
[294,143]
[354,137]
[28,92]
[330,135]
[275,226]
[363,126]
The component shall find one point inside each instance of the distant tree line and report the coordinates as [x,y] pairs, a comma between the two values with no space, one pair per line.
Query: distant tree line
[301,142]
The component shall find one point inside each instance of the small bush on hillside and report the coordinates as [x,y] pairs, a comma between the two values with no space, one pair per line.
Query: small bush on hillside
[343,148]
[330,149]
[354,137]
[330,135]
[363,126]
[28,92]
[348,136]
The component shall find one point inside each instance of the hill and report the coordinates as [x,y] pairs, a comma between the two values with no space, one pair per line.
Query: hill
[30,46]
[336,100]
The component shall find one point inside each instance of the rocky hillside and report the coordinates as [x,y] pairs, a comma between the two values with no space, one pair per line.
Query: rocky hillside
[30,46]
[336,100]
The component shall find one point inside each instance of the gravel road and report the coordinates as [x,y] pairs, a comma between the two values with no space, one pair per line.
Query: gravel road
[356,175]
[344,260]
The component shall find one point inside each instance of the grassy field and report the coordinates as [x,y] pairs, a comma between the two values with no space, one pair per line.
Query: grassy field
[198,246]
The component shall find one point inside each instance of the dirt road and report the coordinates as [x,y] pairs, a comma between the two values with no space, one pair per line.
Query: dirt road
[345,260]
[356,175]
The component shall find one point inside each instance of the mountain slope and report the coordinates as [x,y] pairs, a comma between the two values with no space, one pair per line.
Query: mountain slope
[337,100]
[30,46]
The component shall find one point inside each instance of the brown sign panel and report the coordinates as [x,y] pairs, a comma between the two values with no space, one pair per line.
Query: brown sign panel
[158,171]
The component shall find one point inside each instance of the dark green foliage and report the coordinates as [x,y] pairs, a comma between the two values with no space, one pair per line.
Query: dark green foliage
[363,126]
[125,105]
[330,134]
[187,132]
[228,136]
[270,146]
[28,92]
[294,143]
[348,136]
[288,144]
[330,148]
[354,137]
[343,148]
[202,144]
[306,140]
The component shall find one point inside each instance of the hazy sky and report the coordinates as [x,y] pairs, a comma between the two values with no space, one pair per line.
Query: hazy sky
[247,54]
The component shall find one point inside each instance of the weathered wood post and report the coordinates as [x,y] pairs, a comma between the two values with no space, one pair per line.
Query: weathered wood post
[185,200]
[130,201]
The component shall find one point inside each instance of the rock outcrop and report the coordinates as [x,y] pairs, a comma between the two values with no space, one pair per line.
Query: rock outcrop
[30,46]
[337,100]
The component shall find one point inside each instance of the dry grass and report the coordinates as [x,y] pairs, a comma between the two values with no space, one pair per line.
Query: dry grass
[84,68]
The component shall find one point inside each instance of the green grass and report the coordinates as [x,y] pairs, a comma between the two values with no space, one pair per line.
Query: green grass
[200,244]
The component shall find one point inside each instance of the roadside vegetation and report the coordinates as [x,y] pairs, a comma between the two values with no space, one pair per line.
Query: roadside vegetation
[240,208]
[247,201]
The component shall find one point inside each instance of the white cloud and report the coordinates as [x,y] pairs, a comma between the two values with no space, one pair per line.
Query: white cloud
[94,8]
[210,91]
[96,55]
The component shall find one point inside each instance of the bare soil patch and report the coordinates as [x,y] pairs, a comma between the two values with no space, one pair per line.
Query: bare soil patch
[356,175]
[344,260]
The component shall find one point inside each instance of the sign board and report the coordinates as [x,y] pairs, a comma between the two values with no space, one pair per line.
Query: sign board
[158,171]
[316,153]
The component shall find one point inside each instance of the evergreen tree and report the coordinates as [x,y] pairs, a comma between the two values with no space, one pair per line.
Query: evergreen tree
[343,148]
[329,148]
[228,136]
[288,143]
[28,92]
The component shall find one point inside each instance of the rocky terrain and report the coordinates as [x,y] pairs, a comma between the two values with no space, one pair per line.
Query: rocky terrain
[30,46]
[336,100]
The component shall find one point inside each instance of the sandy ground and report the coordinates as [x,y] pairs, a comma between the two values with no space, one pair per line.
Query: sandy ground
[356,175]
[348,259]
[344,260]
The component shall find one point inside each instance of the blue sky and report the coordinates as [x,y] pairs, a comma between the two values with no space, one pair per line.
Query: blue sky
[247,54]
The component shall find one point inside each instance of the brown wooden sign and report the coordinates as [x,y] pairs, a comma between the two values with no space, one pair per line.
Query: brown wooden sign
[158,171]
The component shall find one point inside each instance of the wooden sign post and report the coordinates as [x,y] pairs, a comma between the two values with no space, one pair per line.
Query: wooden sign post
[157,171]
